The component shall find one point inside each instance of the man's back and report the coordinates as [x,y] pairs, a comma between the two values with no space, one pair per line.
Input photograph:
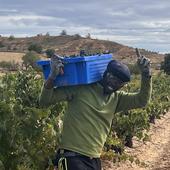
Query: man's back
[88,119]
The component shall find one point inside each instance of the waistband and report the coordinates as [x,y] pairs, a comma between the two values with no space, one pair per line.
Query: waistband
[68,153]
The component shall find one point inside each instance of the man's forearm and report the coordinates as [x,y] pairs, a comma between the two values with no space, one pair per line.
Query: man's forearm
[146,89]
[46,92]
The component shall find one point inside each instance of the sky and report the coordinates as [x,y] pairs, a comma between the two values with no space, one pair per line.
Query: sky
[136,23]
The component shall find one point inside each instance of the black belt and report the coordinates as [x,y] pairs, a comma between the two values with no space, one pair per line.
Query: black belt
[68,153]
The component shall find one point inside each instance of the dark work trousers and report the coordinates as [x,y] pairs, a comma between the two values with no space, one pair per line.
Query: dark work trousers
[79,162]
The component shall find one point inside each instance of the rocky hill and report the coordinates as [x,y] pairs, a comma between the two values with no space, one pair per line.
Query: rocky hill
[71,45]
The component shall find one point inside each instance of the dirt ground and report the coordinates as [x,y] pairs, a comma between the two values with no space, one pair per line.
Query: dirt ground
[10,56]
[155,153]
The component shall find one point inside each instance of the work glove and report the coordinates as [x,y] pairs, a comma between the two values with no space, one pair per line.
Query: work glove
[144,64]
[56,66]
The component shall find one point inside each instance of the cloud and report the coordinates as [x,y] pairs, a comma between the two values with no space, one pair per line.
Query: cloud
[142,23]
[24,17]
[8,10]
[29,20]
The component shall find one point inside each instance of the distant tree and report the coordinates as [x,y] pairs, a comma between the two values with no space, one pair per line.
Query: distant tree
[63,33]
[165,65]
[35,47]
[30,58]
[77,36]
[11,37]
[39,35]
[47,34]
[50,52]
[88,36]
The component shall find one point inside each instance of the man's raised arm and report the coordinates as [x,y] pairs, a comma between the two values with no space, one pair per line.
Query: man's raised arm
[136,100]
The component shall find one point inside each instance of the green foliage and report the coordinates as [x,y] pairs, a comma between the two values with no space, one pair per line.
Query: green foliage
[28,134]
[35,47]
[115,145]
[136,122]
[9,65]
[30,58]
[50,52]
[166,64]
[131,124]
[134,69]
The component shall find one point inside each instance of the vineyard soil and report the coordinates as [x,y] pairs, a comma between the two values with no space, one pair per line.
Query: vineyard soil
[154,153]
[10,56]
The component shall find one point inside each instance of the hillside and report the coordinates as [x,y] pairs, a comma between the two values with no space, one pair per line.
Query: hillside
[71,45]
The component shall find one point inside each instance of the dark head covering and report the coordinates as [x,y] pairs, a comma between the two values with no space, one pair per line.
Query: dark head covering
[119,70]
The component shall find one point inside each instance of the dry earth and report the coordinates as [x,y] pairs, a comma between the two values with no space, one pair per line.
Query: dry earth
[154,153]
[70,45]
[10,56]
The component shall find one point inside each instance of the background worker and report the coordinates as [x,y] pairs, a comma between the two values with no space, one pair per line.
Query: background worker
[88,119]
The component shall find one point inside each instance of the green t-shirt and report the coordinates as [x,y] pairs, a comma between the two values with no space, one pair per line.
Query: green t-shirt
[88,118]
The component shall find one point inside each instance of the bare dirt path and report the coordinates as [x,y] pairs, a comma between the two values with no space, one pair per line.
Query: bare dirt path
[154,153]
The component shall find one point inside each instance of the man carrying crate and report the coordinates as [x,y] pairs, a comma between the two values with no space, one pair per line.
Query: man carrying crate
[91,107]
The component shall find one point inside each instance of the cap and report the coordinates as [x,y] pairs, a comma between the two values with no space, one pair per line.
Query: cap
[119,70]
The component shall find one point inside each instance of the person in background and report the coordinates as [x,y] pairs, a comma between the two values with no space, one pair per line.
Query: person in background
[91,107]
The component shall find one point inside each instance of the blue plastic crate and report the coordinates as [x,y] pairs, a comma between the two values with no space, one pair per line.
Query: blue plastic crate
[79,70]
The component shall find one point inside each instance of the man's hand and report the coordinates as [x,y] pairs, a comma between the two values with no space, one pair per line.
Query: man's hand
[143,64]
[56,66]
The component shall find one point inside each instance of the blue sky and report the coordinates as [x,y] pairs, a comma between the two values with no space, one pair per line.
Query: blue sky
[136,23]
